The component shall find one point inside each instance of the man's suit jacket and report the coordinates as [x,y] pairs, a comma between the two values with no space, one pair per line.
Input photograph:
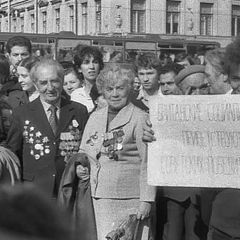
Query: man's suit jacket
[32,139]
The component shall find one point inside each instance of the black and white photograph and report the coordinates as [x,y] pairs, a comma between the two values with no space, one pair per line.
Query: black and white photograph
[119,119]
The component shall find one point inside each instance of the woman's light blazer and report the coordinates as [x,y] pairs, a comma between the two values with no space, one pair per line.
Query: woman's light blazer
[127,177]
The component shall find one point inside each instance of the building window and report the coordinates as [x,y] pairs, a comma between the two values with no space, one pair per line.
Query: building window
[22,23]
[98,16]
[138,16]
[173,16]
[84,18]
[71,16]
[206,18]
[32,23]
[44,22]
[235,20]
[57,19]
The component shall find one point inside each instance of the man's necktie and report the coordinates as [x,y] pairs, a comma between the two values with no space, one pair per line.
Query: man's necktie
[53,120]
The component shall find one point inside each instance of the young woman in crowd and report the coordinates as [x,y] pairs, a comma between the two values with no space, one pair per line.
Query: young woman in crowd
[89,61]
[29,92]
[113,142]
[71,80]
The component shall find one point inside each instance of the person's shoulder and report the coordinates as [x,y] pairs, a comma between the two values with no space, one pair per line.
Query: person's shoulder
[78,106]
[20,110]
[16,98]
[26,107]
[16,93]
[98,113]
[139,110]
[139,115]
[77,90]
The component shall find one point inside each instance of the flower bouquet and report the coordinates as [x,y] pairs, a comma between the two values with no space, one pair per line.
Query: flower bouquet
[127,229]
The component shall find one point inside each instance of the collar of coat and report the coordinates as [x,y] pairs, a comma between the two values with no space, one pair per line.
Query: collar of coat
[66,115]
[121,119]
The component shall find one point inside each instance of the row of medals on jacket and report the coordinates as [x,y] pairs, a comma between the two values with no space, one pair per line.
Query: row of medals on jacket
[112,143]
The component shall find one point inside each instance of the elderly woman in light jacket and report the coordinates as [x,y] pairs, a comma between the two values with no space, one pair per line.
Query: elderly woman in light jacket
[113,141]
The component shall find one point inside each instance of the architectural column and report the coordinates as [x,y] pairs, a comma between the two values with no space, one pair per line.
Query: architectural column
[106,16]
[149,10]
[191,16]
[9,16]
[159,15]
[27,23]
[125,15]
[50,17]
[36,15]
[91,17]
[64,17]
[223,20]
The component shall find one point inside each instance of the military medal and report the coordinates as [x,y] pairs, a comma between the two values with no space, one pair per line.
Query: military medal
[70,141]
[37,142]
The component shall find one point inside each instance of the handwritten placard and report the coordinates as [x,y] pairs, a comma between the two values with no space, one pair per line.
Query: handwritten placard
[198,141]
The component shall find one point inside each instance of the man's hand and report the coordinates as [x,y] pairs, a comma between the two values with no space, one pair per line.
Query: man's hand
[144,210]
[148,133]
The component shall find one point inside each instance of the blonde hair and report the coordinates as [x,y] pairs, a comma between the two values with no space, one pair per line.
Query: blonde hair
[114,72]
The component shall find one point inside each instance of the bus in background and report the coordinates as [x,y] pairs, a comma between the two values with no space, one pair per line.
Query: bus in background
[115,47]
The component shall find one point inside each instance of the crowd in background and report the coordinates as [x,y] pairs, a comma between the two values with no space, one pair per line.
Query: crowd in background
[78,132]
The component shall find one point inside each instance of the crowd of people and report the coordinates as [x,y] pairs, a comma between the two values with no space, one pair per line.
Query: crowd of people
[75,134]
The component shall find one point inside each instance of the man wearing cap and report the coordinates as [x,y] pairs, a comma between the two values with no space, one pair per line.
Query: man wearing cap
[215,72]
[225,217]
[182,207]
[191,80]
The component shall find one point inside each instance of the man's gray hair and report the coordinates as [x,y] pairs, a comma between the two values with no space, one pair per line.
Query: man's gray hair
[46,62]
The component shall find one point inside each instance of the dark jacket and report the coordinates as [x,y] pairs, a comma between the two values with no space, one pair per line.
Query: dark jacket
[75,195]
[10,86]
[32,139]
[17,98]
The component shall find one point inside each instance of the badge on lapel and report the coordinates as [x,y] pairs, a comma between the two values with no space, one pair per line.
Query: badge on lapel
[39,144]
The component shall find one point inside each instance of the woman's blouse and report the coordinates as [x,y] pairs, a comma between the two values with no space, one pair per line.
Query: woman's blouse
[81,96]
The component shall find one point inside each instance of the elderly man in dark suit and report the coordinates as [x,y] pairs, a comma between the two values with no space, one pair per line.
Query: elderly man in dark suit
[45,132]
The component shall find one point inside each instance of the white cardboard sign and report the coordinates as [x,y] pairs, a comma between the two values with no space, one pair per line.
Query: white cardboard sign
[198,141]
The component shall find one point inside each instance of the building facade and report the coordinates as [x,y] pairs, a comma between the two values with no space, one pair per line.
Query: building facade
[207,19]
